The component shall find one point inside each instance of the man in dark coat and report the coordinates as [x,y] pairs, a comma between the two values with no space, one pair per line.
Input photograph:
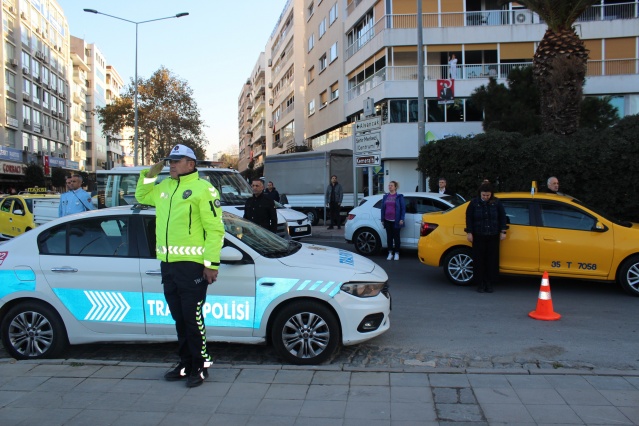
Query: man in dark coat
[271,192]
[260,209]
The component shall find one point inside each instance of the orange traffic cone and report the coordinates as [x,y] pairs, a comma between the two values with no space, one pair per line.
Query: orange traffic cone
[544,303]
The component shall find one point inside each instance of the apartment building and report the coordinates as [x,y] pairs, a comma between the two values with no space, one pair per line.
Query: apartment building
[117,144]
[80,70]
[330,57]
[244,118]
[36,72]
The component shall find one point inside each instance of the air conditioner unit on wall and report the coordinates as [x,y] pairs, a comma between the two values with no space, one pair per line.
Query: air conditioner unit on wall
[270,101]
[14,62]
[270,62]
[270,85]
[270,124]
[522,17]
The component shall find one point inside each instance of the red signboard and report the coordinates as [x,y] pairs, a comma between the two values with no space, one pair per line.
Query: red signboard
[445,91]
[45,160]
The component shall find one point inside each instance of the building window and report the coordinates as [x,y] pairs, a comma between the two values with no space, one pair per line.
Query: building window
[334,91]
[332,14]
[322,27]
[311,42]
[311,107]
[323,99]
[311,10]
[311,75]
[322,62]
[10,81]
[333,53]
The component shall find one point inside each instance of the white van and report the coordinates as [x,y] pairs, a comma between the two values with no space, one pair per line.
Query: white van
[116,187]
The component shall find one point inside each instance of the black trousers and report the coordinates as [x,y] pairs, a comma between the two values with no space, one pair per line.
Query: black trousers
[335,219]
[185,291]
[393,241]
[485,261]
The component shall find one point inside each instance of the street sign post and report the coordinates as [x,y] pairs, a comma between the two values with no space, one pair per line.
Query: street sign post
[368,142]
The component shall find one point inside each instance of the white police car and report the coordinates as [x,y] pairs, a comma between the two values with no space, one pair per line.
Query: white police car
[93,277]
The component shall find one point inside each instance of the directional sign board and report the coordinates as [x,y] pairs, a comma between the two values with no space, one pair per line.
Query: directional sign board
[367,160]
[368,142]
[374,123]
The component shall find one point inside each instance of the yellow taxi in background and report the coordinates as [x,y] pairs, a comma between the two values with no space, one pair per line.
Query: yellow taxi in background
[547,232]
[23,212]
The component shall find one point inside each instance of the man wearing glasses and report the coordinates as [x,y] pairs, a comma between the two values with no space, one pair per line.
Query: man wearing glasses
[76,199]
[189,235]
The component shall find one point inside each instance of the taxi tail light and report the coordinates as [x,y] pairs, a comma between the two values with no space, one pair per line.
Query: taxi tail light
[350,216]
[427,228]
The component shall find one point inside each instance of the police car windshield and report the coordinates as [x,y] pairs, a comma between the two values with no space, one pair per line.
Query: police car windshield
[259,239]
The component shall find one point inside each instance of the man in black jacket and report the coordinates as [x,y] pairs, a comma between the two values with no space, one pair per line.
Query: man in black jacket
[260,209]
[271,192]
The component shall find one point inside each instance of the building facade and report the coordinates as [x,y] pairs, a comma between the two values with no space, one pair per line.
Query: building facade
[36,74]
[327,59]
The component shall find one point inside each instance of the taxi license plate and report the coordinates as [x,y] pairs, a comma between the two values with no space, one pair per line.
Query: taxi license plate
[301,229]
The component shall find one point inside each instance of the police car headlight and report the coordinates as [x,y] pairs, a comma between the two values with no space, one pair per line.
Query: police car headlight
[362,289]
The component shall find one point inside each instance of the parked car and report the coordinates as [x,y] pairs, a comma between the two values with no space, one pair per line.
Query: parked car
[93,277]
[364,226]
[23,212]
[547,232]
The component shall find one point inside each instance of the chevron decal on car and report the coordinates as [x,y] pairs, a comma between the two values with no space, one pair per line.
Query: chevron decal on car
[106,306]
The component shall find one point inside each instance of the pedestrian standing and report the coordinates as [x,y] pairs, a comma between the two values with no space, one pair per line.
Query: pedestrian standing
[333,199]
[189,235]
[259,208]
[442,187]
[485,227]
[271,192]
[76,199]
[393,216]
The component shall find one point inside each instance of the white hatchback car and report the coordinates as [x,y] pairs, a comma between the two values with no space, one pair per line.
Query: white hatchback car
[364,226]
[93,277]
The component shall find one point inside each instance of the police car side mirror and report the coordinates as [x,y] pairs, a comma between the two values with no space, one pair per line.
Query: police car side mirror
[231,255]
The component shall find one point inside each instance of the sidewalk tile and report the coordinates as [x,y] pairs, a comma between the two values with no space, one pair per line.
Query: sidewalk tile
[224,419]
[256,376]
[299,377]
[583,397]
[568,382]
[369,393]
[140,418]
[529,382]
[233,405]
[553,414]
[632,413]
[259,420]
[194,403]
[609,383]
[514,414]
[25,383]
[96,385]
[317,421]
[210,389]
[409,379]
[113,372]
[459,413]
[150,373]
[327,392]
[410,394]
[331,378]
[379,410]
[286,391]
[332,409]
[370,379]
[622,398]
[413,411]
[224,375]
[248,390]
[279,407]
[449,380]
[496,396]
[179,419]
[488,381]
[94,417]
[600,415]
[540,396]
[7,397]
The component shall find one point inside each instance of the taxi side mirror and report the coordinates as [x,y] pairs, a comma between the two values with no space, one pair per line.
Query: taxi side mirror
[18,212]
[600,227]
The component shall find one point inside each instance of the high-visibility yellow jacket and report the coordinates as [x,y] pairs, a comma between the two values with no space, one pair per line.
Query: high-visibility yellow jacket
[188,218]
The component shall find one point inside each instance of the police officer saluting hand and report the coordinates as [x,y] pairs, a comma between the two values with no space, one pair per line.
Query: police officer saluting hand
[189,237]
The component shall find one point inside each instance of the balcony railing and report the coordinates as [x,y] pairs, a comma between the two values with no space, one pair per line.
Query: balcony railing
[474,71]
[628,10]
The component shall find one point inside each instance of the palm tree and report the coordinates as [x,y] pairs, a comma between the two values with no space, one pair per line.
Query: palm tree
[559,65]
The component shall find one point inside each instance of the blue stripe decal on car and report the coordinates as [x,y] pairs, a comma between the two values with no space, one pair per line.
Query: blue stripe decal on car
[14,281]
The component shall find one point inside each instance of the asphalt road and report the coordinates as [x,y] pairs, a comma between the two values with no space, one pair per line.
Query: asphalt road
[435,324]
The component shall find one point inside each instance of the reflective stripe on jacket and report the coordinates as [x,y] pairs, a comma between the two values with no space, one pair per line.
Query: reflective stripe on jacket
[188,220]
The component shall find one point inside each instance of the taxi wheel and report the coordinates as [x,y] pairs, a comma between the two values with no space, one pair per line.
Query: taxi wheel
[305,333]
[367,242]
[628,276]
[458,266]
[32,330]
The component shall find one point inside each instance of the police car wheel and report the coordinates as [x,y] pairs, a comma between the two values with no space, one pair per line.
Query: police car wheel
[367,242]
[628,276]
[32,330]
[458,266]
[305,333]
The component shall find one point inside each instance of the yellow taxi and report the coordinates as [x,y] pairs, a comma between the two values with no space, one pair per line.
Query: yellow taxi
[547,232]
[20,213]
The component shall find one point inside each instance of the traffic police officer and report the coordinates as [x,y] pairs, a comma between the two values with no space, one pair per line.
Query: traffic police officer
[189,237]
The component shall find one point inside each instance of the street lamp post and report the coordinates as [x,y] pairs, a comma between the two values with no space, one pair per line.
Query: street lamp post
[135,99]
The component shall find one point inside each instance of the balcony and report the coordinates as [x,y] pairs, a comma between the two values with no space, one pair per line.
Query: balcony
[79,76]
[484,17]
[79,96]
[482,71]
[12,121]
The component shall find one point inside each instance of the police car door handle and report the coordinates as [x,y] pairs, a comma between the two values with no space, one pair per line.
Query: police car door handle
[64,269]
[153,272]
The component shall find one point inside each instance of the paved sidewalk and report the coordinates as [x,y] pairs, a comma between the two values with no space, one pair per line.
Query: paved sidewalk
[83,392]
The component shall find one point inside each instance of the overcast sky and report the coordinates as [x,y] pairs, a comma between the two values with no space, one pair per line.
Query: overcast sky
[214,48]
